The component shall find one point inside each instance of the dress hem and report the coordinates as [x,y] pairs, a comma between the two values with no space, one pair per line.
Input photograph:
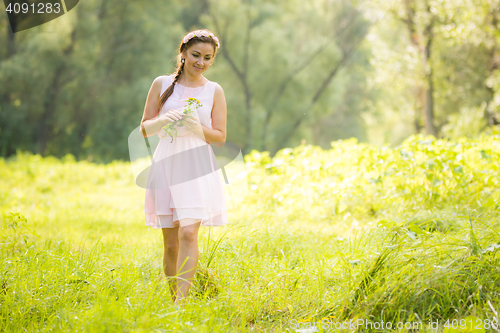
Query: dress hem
[202,225]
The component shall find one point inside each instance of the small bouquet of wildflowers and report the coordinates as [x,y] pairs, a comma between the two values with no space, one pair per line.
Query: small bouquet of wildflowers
[192,105]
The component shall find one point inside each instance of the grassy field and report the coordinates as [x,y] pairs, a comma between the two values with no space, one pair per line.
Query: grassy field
[353,235]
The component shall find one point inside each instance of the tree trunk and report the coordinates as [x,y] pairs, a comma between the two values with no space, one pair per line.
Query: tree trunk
[429,94]
[49,106]
[50,100]
[489,115]
[425,53]
[429,106]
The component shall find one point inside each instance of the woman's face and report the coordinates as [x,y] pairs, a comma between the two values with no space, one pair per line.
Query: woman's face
[198,58]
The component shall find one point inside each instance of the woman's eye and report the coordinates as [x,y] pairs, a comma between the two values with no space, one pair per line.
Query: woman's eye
[195,55]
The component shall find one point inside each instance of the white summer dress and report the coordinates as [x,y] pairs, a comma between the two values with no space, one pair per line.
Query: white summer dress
[184,181]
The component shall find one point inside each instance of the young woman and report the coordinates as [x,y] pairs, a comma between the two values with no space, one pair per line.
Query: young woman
[184,188]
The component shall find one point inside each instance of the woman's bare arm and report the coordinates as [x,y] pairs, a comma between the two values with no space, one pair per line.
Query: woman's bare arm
[217,135]
[151,125]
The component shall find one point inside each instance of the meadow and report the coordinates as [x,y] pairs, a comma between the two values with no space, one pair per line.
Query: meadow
[324,237]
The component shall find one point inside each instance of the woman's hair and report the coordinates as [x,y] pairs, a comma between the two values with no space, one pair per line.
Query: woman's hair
[180,65]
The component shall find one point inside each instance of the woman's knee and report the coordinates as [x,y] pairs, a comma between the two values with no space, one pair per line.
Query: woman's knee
[189,233]
[171,247]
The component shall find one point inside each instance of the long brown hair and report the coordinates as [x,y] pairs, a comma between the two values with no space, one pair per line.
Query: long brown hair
[180,65]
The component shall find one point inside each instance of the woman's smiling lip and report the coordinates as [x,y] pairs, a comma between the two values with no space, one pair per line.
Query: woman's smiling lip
[197,68]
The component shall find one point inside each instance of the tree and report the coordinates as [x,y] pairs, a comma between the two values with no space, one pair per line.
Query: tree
[253,30]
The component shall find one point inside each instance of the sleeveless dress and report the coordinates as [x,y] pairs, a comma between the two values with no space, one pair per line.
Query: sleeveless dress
[184,180]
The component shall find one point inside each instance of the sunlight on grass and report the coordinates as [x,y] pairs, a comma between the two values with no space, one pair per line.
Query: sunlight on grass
[399,235]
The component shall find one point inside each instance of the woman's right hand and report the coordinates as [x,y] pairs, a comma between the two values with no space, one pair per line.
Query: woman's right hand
[171,117]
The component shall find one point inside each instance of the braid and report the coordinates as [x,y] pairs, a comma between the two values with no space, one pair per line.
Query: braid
[179,72]
[170,89]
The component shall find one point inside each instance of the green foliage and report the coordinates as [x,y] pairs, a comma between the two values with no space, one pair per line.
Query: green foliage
[354,232]
[358,180]
[78,84]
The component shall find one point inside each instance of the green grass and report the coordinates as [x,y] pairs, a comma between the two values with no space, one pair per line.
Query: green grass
[356,232]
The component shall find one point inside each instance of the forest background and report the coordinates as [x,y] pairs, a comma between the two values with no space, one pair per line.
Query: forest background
[319,70]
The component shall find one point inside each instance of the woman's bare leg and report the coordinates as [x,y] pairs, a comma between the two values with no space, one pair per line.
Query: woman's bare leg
[187,260]
[170,252]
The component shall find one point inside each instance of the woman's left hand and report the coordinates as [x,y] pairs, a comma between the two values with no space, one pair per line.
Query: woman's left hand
[194,125]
